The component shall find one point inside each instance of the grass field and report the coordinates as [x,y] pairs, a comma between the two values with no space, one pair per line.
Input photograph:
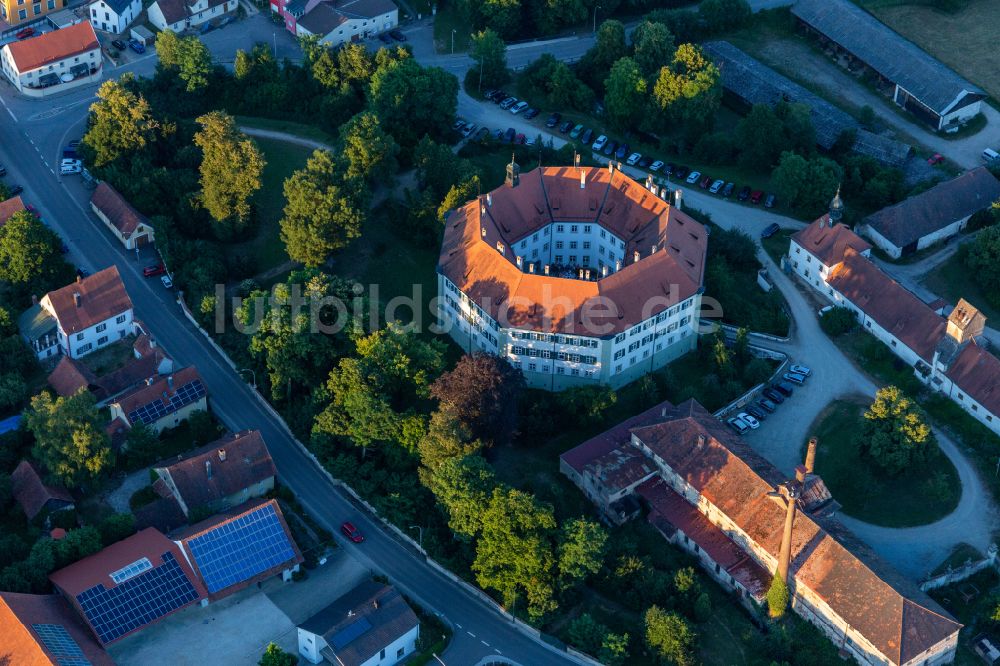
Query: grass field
[951,280]
[445,21]
[918,496]
[298,129]
[965,40]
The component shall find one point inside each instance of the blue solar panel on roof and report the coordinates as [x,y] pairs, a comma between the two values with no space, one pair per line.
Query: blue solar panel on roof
[61,645]
[138,601]
[242,548]
[343,638]
[155,410]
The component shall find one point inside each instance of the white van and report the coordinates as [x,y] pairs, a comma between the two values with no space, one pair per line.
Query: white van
[990,155]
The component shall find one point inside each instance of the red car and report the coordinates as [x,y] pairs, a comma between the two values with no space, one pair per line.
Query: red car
[936,158]
[520,139]
[351,532]
[24,34]
[154,270]
[705,182]
[756,196]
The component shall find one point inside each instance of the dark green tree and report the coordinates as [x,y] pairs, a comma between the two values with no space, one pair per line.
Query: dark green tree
[463,487]
[275,656]
[670,636]
[761,138]
[411,101]
[483,392]
[625,99]
[30,255]
[489,53]
[653,47]
[982,259]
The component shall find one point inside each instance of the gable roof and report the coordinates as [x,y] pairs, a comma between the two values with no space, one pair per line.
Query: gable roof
[322,19]
[828,243]
[119,212]
[9,207]
[156,580]
[885,51]
[583,454]
[245,461]
[911,219]
[362,622]
[69,376]
[32,493]
[365,8]
[117,6]
[41,629]
[889,304]
[977,372]
[172,10]
[49,47]
[102,296]
[888,610]
[162,396]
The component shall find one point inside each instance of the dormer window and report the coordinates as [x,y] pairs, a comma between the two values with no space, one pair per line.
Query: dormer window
[500,247]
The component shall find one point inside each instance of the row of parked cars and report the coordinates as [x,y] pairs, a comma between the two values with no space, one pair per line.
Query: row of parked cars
[388,37]
[133,44]
[771,397]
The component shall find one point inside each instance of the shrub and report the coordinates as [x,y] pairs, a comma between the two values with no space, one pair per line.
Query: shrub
[838,321]
[141,498]
[777,598]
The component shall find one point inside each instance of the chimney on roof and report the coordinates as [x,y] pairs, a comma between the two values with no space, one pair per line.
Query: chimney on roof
[79,278]
[34,299]
[513,173]
[663,412]
[635,257]
[222,455]
[208,469]
[583,178]
[489,199]
[790,492]
[546,269]
[520,262]
[531,268]
[170,382]
[811,455]
[483,232]
[678,196]
[652,249]
[618,265]
[375,604]
[800,474]
[701,438]
[77,298]
[588,273]
[604,270]
[350,612]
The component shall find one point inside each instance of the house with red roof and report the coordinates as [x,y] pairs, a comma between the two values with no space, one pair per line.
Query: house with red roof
[42,629]
[162,401]
[37,498]
[337,22]
[9,207]
[53,62]
[129,226]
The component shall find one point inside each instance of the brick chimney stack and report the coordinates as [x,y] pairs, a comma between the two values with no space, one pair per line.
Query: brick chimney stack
[811,455]
[790,492]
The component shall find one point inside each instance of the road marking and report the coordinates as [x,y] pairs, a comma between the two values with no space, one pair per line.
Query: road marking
[471,634]
[497,651]
[458,625]
[484,643]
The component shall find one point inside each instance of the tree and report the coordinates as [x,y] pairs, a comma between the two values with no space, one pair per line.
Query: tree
[483,390]
[189,56]
[142,443]
[489,53]
[806,184]
[275,656]
[653,47]
[502,16]
[116,527]
[982,259]
[625,99]
[31,255]
[370,152]
[581,550]
[446,437]
[586,633]
[551,15]
[231,170]
[838,321]
[722,15]
[321,214]
[69,437]
[514,554]
[777,598]
[411,101]
[895,432]
[459,194]
[614,650]
[761,138]
[799,130]
[689,90]
[462,486]
[558,83]
[670,636]
[121,123]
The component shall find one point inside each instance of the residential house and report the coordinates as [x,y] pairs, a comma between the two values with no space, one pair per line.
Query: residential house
[129,585]
[114,16]
[14,12]
[128,225]
[920,84]
[37,499]
[179,15]
[337,22]
[932,216]
[715,497]
[9,207]
[372,625]
[222,474]
[42,629]
[162,402]
[241,547]
[53,62]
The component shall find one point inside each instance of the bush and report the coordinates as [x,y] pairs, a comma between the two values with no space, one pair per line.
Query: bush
[777,598]
[142,497]
[838,321]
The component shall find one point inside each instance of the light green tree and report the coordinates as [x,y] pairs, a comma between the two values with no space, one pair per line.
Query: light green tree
[625,100]
[895,432]
[69,437]
[231,170]
[581,550]
[670,636]
[462,486]
[370,152]
[489,53]
[30,255]
[121,123]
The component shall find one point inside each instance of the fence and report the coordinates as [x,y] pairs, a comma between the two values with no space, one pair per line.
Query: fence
[964,571]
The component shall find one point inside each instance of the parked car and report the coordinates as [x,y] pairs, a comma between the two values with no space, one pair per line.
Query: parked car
[385,38]
[70,169]
[518,108]
[351,532]
[610,148]
[469,129]
[800,369]
[499,96]
[530,113]
[749,420]
[738,424]
[727,191]
[794,378]
[25,33]
[705,182]
[770,230]
[770,201]
[644,162]
[756,412]
[756,196]
[553,120]
[489,93]
[587,136]
[599,143]
[397,35]
[773,395]
[118,44]
[767,405]
[576,131]
[70,154]
[936,158]
[783,388]
[497,134]
[138,46]
[670,169]
[507,103]
[482,133]
[154,270]
[656,166]
[633,159]
[520,139]
[508,136]
[744,193]
[566,126]
[622,151]
[167,282]
[693,177]
[717,186]
[15,189]
[458,124]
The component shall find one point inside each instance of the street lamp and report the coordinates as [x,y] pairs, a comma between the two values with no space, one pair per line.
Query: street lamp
[453,31]
[252,374]
[596,7]
[420,538]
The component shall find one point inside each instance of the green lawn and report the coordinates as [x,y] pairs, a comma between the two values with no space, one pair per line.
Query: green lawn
[777,245]
[299,129]
[973,614]
[446,21]
[919,496]
[952,280]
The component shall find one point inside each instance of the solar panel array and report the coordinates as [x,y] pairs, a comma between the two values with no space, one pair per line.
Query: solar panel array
[138,601]
[156,410]
[242,548]
[134,569]
[61,645]
[343,638]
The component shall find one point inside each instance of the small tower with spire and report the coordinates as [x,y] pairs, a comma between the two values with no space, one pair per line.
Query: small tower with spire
[836,208]
[513,173]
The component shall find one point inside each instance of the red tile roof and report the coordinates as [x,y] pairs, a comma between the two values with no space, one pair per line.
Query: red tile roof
[69,376]
[247,462]
[534,301]
[53,46]
[119,212]
[889,304]
[159,389]
[580,456]
[9,207]
[828,244]
[888,610]
[102,296]
[33,494]
[977,372]
[24,645]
